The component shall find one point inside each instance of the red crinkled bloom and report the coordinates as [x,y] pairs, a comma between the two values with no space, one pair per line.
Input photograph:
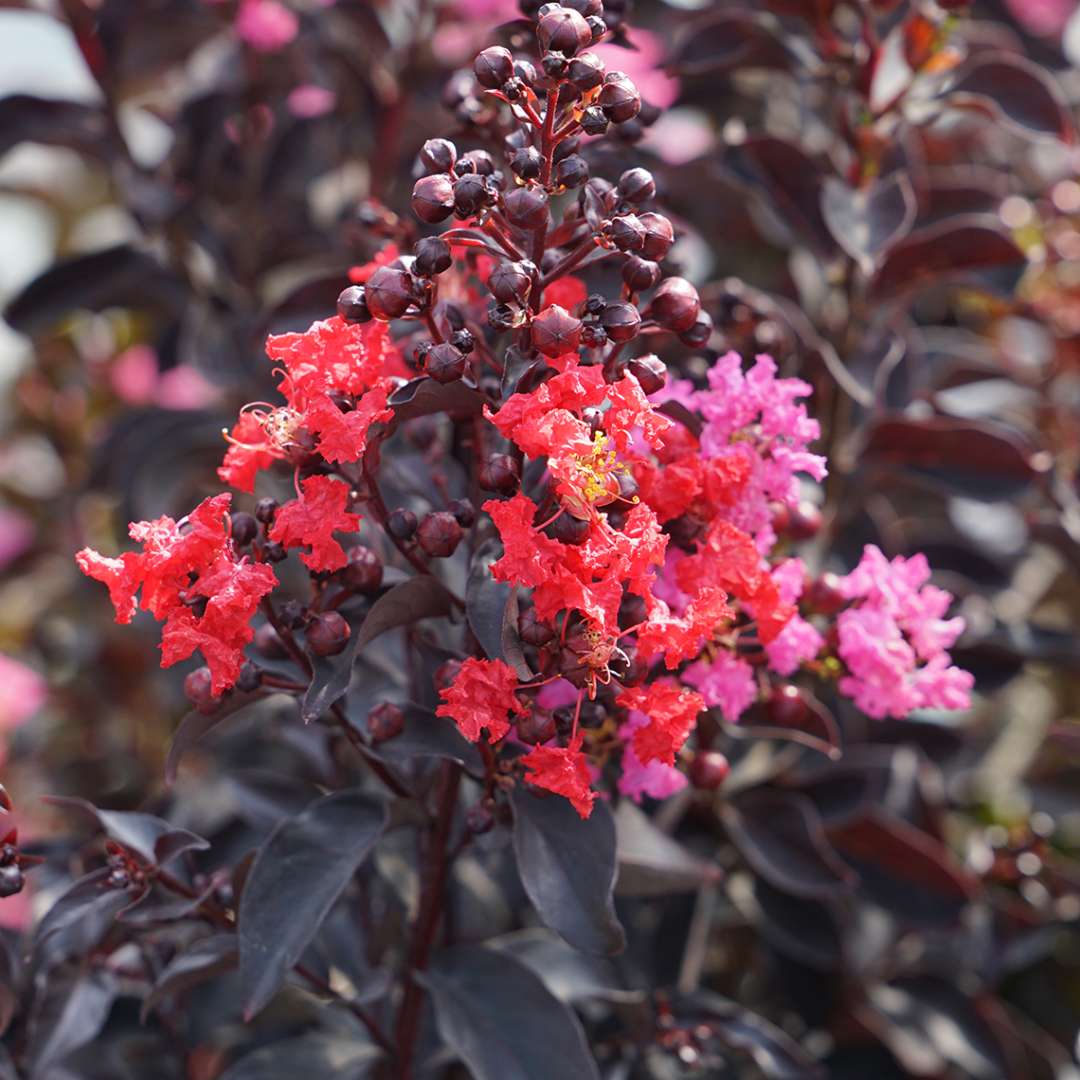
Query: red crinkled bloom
[672,712]
[682,638]
[334,355]
[563,770]
[358,275]
[311,519]
[121,575]
[250,451]
[567,292]
[729,558]
[343,436]
[481,697]
[233,590]
[630,411]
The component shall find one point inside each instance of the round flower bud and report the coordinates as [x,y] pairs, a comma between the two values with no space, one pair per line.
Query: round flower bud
[500,473]
[787,707]
[432,256]
[826,595]
[568,529]
[511,282]
[586,72]
[675,304]
[197,689]
[698,335]
[555,331]
[389,293]
[659,236]
[433,198]
[265,509]
[636,186]
[328,633]
[364,571]
[626,232]
[572,171]
[244,528]
[709,770]
[401,524]
[621,321]
[619,98]
[649,370]
[804,521]
[532,630]
[352,305]
[249,679]
[594,122]
[493,67]
[563,30]
[479,162]
[438,155]
[640,274]
[11,880]
[464,512]
[439,534]
[444,363]
[536,727]
[463,340]
[527,208]
[554,65]
[470,195]
[385,721]
[526,162]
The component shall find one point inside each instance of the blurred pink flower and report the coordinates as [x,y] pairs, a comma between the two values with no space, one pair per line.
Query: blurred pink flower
[308,101]
[16,535]
[22,693]
[16,912]
[266,25]
[1042,17]
[727,682]
[133,375]
[642,64]
[679,136]
[655,779]
[184,387]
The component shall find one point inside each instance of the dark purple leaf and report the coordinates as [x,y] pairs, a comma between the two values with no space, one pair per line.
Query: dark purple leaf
[195,725]
[772,1050]
[424,396]
[79,919]
[1014,90]
[429,736]
[150,837]
[804,930]
[492,610]
[731,39]
[71,124]
[568,869]
[867,221]
[962,247]
[651,863]
[297,875]
[316,1054]
[501,1020]
[420,597]
[782,838]
[72,1020]
[202,960]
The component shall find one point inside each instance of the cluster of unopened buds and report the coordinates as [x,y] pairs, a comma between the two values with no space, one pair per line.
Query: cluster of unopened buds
[637,512]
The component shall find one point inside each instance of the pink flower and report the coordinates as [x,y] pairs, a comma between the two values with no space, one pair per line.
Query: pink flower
[265,25]
[308,101]
[184,387]
[22,693]
[133,375]
[894,642]
[1042,17]
[727,682]
[643,63]
[799,641]
[655,778]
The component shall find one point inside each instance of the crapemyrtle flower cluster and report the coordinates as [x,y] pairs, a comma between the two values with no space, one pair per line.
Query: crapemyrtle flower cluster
[637,515]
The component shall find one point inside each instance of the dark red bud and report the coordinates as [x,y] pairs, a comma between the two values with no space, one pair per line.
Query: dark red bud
[493,67]
[385,721]
[439,534]
[364,571]
[709,770]
[636,186]
[500,474]
[659,235]
[438,155]
[433,198]
[527,208]
[563,30]
[555,331]
[352,305]
[328,633]
[619,98]
[621,321]
[675,304]
[650,371]
[390,292]
[445,363]
[197,689]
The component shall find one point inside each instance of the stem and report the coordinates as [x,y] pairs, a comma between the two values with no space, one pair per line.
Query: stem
[427,922]
[377,767]
[286,636]
[569,262]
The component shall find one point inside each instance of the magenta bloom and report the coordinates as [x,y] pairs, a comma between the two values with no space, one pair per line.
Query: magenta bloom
[727,682]
[308,101]
[22,693]
[655,778]
[266,25]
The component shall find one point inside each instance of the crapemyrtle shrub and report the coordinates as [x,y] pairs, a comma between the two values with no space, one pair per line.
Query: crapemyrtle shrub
[568,694]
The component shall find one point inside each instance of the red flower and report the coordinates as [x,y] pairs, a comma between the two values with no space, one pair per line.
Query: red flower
[250,451]
[343,436]
[563,770]
[567,292]
[672,713]
[122,576]
[358,275]
[679,639]
[481,697]
[311,519]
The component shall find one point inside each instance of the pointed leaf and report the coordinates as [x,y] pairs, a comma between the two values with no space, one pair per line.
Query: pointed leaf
[651,863]
[502,1021]
[492,610]
[298,873]
[568,869]
[72,1021]
[866,222]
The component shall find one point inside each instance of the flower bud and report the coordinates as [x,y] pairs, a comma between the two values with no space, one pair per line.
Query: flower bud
[433,198]
[787,707]
[649,370]
[250,678]
[328,633]
[626,232]
[825,594]
[594,122]
[619,98]
[532,630]
[804,521]
[621,321]
[568,529]
[439,534]
[385,721]
[364,571]
[511,282]
[432,256]
[352,305]
[555,331]
[243,527]
[636,186]
[640,274]
[401,524]
[563,30]
[659,236]
[709,770]
[493,67]
[479,162]
[12,880]
[698,335]
[572,171]
[444,363]
[500,473]
[675,304]
[470,195]
[390,293]
[464,512]
[586,72]
[527,208]
[438,155]
[265,509]
[197,689]
[526,163]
